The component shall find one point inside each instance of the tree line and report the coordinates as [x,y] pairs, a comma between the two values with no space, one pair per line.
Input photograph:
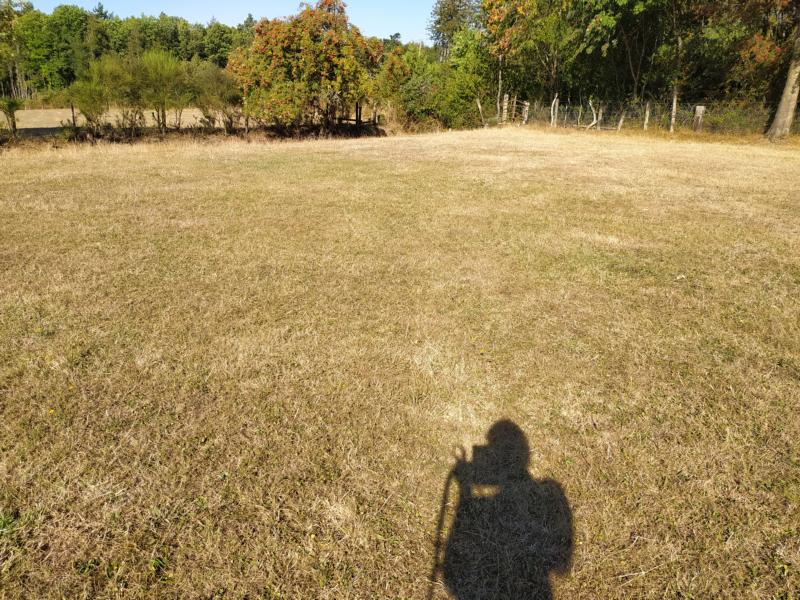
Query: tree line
[42,52]
[630,51]
[316,68]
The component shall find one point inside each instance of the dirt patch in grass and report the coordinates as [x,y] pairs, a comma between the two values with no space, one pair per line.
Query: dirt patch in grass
[241,369]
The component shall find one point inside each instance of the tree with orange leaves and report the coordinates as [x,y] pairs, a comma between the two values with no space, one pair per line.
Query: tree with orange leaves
[306,68]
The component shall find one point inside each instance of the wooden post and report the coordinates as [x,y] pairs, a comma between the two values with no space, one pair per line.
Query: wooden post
[699,113]
[554,112]
[647,116]
[480,111]
[526,112]
[505,108]
[594,115]
[514,108]
[674,116]
[558,106]
[499,85]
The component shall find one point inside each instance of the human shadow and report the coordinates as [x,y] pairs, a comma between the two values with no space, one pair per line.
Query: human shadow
[510,533]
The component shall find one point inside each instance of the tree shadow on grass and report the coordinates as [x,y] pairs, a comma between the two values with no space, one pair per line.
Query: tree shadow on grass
[510,533]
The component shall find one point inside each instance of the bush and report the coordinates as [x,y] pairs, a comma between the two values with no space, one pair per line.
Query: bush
[216,95]
[737,117]
[9,108]
[163,85]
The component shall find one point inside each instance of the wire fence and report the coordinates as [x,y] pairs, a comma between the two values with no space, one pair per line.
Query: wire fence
[718,118]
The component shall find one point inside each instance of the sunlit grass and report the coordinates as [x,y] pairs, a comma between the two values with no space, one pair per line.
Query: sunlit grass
[242,368]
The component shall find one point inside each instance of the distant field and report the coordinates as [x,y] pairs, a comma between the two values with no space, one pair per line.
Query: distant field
[50,118]
[241,370]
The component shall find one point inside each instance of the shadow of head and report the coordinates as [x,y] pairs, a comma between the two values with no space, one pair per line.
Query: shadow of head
[510,532]
[505,457]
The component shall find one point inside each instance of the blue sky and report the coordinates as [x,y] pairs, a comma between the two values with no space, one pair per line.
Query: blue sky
[409,17]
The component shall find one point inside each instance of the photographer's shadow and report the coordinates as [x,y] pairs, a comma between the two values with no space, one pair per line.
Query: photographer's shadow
[510,533]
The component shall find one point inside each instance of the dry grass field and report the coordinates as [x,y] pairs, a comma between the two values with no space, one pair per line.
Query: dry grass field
[233,370]
[53,118]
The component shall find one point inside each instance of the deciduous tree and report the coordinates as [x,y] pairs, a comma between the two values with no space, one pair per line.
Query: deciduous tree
[784,116]
[448,17]
[303,68]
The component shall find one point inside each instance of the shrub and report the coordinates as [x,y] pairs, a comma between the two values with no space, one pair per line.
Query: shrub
[163,85]
[737,117]
[9,108]
[216,95]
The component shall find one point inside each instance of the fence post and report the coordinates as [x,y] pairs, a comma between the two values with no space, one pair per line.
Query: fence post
[480,111]
[594,116]
[526,111]
[505,108]
[647,116]
[674,116]
[554,112]
[514,108]
[699,113]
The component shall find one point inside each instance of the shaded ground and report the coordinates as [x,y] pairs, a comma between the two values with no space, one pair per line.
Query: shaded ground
[241,368]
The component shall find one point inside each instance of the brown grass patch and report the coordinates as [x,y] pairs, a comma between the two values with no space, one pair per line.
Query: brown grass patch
[240,369]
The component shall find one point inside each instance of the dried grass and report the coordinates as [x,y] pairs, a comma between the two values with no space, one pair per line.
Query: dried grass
[239,370]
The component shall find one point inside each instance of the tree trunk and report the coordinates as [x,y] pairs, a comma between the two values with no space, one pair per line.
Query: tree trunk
[11,81]
[499,87]
[784,117]
[679,62]
[647,117]
[22,85]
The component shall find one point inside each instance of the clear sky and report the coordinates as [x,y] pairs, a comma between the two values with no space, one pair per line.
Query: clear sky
[409,18]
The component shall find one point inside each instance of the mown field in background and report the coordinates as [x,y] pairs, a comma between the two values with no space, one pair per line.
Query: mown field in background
[232,369]
[54,118]
[721,122]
